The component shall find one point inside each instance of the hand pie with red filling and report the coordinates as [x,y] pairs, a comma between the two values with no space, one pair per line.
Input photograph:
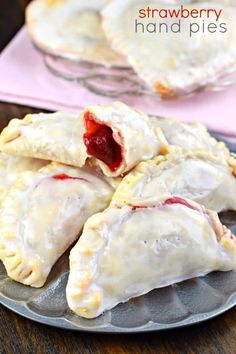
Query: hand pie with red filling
[119,137]
[43,214]
[198,175]
[50,136]
[127,251]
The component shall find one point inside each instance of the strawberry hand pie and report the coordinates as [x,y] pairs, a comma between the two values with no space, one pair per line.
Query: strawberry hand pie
[50,136]
[43,214]
[119,137]
[127,251]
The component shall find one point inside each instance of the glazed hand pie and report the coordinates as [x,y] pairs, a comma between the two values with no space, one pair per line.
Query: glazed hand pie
[119,137]
[199,176]
[71,29]
[43,214]
[190,136]
[172,57]
[50,136]
[126,251]
[12,166]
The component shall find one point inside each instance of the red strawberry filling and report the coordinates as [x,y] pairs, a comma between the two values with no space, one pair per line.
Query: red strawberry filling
[63,176]
[170,201]
[100,143]
[177,200]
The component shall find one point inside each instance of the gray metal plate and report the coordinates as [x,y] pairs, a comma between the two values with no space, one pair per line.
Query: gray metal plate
[175,306]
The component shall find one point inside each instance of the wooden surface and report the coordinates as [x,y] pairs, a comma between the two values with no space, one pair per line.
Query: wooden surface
[19,335]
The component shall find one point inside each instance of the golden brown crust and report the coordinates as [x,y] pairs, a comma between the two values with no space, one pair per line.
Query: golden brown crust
[232,163]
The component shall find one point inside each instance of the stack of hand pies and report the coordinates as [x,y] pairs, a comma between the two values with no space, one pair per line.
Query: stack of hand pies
[111,33]
[144,192]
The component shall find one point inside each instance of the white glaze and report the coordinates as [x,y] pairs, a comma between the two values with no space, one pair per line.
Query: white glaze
[190,136]
[51,136]
[124,253]
[198,176]
[41,217]
[12,166]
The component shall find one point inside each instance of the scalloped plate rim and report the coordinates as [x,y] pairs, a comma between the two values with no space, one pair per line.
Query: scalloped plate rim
[60,322]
